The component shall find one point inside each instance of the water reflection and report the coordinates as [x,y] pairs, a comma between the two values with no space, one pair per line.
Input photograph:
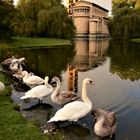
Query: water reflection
[125,60]
[115,70]
[89,54]
[42,62]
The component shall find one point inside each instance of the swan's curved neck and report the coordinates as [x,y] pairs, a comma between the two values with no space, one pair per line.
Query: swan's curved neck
[56,89]
[84,95]
[26,76]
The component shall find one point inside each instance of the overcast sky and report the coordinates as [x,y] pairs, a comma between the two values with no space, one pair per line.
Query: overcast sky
[104,3]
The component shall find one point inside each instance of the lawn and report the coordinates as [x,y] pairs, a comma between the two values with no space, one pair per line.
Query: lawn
[27,42]
[13,126]
[135,40]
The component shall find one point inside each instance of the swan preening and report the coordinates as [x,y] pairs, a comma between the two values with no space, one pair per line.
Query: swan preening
[75,110]
[14,64]
[105,122]
[2,86]
[32,80]
[61,97]
[39,91]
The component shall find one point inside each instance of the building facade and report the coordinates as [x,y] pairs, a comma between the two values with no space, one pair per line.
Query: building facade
[90,19]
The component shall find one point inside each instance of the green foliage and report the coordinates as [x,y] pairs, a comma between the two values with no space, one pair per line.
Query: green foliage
[6,14]
[125,23]
[42,18]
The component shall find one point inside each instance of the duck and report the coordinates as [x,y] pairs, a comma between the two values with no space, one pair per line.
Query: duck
[2,86]
[75,110]
[32,80]
[105,122]
[39,91]
[61,97]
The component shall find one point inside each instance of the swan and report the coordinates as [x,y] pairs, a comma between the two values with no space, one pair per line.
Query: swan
[61,97]
[39,91]
[9,60]
[2,86]
[75,110]
[105,122]
[31,79]
[21,74]
[15,66]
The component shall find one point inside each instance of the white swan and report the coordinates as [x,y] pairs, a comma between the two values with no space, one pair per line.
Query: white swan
[105,123]
[75,110]
[15,66]
[9,60]
[40,91]
[2,86]
[61,97]
[32,80]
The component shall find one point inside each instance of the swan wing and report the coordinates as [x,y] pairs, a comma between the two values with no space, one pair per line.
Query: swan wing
[34,80]
[38,92]
[71,112]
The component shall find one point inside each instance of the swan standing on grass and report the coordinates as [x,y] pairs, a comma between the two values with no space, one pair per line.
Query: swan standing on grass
[32,80]
[40,91]
[75,110]
[105,122]
[61,97]
[2,86]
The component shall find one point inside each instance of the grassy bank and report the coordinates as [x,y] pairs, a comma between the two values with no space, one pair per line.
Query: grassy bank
[27,42]
[13,126]
[135,40]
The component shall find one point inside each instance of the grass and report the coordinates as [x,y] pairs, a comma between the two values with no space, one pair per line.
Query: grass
[135,40]
[30,42]
[13,126]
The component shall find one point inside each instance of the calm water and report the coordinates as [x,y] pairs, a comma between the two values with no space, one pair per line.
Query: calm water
[115,70]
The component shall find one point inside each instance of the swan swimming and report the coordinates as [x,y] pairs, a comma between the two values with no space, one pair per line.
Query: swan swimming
[32,80]
[39,91]
[105,122]
[75,110]
[62,97]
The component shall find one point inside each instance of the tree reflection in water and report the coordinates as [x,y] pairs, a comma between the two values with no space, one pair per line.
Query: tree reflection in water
[124,60]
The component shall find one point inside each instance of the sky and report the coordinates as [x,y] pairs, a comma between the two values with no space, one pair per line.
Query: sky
[104,3]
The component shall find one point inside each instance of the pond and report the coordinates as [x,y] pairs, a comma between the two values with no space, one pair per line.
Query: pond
[114,68]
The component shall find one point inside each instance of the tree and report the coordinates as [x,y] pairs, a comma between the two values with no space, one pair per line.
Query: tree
[6,14]
[125,22]
[43,18]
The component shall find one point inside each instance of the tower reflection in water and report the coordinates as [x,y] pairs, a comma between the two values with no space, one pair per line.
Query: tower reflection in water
[89,55]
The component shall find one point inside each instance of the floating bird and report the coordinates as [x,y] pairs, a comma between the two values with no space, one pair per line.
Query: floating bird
[32,80]
[105,122]
[40,91]
[75,110]
[61,97]
[2,86]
